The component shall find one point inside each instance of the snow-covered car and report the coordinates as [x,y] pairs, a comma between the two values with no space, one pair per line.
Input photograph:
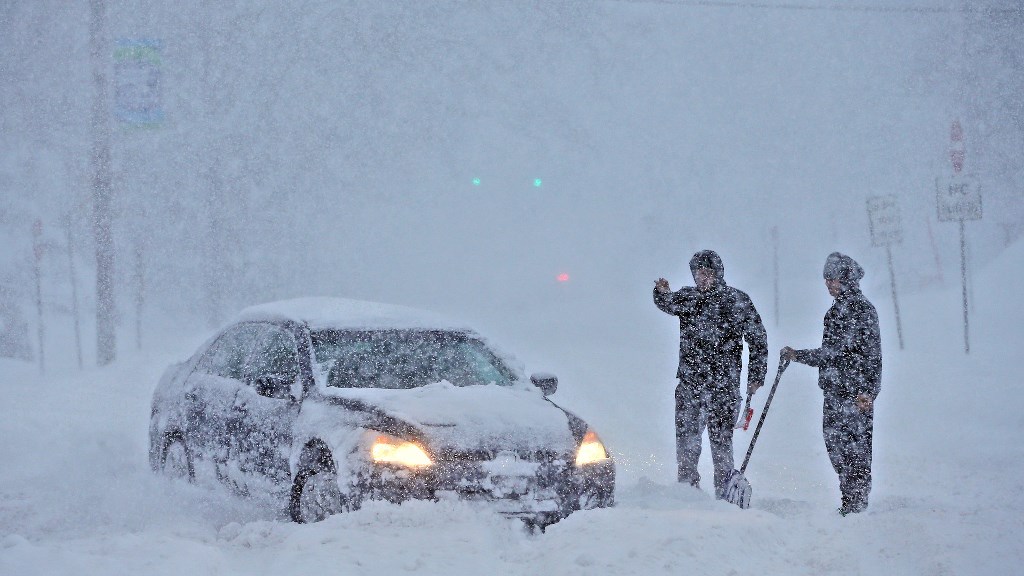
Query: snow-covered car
[321,404]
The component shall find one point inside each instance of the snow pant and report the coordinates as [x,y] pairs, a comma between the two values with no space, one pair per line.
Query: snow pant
[717,409]
[848,433]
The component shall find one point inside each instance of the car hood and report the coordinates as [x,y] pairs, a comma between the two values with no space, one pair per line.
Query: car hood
[470,418]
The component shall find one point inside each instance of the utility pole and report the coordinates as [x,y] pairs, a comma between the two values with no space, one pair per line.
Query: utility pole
[215,266]
[102,190]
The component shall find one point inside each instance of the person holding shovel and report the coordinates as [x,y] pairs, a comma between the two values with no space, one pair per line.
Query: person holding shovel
[849,364]
[714,321]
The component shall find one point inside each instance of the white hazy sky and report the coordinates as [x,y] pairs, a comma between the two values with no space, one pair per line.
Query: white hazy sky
[323,148]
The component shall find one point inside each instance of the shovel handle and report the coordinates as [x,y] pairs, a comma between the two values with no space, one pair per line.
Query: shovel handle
[783,363]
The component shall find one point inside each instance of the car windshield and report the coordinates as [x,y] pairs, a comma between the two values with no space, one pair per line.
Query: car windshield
[405,359]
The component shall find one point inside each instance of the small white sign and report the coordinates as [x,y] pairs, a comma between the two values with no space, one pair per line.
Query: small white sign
[885,221]
[958,197]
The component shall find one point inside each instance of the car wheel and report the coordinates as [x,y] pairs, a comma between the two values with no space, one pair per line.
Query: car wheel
[599,500]
[315,495]
[176,459]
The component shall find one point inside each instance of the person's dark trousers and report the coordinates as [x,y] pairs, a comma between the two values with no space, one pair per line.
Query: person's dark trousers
[848,432]
[694,407]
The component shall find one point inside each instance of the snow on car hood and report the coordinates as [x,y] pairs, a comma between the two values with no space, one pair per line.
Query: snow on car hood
[473,417]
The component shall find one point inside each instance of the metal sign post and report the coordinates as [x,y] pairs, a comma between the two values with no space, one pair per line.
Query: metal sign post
[775,270]
[140,287]
[958,198]
[886,230]
[37,252]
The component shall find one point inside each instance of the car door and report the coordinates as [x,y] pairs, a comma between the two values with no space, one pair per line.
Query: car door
[266,411]
[210,393]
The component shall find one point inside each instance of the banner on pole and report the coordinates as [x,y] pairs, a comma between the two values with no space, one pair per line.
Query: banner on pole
[137,74]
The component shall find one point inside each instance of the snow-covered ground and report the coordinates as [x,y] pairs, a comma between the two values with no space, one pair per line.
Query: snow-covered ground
[77,496]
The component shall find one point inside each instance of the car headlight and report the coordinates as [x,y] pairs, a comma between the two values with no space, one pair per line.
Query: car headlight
[591,450]
[390,450]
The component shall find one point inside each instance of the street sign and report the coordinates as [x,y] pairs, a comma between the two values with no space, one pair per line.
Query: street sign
[886,230]
[958,198]
[885,221]
[137,91]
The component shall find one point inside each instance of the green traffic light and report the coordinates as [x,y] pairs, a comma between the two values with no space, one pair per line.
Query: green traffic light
[476,181]
[537,182]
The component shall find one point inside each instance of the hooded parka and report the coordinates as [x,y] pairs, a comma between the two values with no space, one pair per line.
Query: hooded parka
[849,364]
[713,326]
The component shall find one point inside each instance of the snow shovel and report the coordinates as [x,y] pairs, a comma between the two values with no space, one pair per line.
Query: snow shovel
[737,488]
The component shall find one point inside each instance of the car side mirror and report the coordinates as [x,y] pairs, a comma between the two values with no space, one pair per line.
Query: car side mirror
[547,383]
[277,386]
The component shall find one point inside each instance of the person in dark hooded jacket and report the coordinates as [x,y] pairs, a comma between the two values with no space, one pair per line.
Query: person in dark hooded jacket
[849,364]
[714,321]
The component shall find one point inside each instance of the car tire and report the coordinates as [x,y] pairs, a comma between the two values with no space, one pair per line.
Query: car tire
[603,499]
[316,494]
[176,459]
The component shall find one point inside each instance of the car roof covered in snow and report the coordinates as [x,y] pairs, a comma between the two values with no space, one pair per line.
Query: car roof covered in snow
[322,313]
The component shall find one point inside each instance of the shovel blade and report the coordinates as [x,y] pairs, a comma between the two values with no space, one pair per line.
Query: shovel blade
[737,490]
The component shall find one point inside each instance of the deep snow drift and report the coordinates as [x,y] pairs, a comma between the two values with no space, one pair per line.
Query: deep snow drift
[77,497]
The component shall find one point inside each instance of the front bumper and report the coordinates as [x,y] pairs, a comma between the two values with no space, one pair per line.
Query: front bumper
[544,490]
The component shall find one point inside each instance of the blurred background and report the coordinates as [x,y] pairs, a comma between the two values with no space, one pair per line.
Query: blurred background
[528,166]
